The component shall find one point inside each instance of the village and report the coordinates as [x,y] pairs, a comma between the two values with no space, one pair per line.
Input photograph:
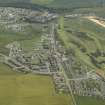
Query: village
[56,64]
[50,57]
[15,14]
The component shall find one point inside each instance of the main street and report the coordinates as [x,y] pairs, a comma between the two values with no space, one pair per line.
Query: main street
[59,61]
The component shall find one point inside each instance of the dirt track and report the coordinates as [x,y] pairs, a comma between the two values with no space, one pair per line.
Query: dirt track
[95,20]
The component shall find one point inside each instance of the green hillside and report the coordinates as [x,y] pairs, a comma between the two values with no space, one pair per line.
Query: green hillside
[86,39]
[74,3]
[59,3]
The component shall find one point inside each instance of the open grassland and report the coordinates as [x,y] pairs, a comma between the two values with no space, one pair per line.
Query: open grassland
[68,3]
[21,89]
[89,101]
[95,32]
[74,3]
[41,2]
[69,39]
[83,37]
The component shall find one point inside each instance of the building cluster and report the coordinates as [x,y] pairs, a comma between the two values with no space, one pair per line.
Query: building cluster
[10,14]
[25,62]
[60,83]
[88,87]
[17,19]
[84,81]
[79,15]
[50,58]
[37,61]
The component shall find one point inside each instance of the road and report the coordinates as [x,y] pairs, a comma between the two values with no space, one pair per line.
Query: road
[59,63]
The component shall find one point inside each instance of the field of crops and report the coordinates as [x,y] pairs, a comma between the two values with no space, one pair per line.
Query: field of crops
[20,89]
[89,101]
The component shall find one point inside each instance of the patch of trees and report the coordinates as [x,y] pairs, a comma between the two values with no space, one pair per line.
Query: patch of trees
[98,53]
[94,61]
[22,5]
[82,35]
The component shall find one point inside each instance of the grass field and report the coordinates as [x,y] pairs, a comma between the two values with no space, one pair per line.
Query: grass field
[83,37]
[41,2]
[92,30]
[28,39]
[20,89]
[68,38]
[89,101]
[68,3]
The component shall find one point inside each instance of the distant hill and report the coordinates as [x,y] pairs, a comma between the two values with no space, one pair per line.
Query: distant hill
[13,1]
[75,3]
[69,3]
[59,3]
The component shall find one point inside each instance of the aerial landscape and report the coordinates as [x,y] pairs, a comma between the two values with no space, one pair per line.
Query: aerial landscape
[52,52]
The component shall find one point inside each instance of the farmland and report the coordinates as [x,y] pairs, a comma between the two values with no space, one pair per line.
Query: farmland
[41,2]
[89,101]
[50,58]
[21,89]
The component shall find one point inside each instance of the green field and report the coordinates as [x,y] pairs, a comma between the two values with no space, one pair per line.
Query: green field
[68,3]
[28,39]
[41,2]
[89,101]
[83,37]
[58,3]
[20,89]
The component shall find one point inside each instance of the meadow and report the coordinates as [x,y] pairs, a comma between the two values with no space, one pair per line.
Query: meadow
[85,38]
[89,101]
